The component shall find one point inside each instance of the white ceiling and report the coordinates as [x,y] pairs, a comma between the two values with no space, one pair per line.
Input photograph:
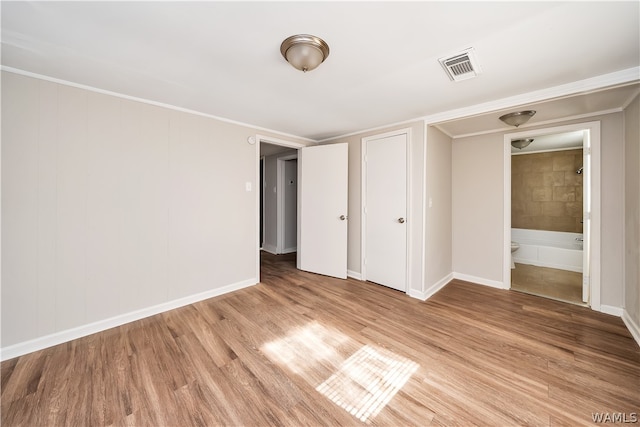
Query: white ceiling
[223,58]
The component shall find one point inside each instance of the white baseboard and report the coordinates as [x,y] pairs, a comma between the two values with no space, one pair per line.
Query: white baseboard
[289,250]
[354,275]
[633,327]
[479,280]
[609,309]
[40,343]
[428,293]
[438,285]
[270,248]
[413,293]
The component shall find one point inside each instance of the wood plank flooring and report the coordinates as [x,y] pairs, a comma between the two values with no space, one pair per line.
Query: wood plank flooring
[302,349]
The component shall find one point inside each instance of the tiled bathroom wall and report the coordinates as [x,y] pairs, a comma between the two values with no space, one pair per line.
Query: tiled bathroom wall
[546,191]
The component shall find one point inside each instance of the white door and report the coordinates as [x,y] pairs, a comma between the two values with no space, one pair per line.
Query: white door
[385,210]
[322,209]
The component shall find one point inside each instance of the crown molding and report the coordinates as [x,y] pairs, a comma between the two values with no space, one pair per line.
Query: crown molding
[150,102]
[592,84]
[538,124]
[630,100]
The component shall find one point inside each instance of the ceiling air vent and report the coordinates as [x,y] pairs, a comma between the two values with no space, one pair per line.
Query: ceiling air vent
[461,66]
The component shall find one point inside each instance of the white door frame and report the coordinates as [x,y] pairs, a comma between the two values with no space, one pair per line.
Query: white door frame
[363,193]
[257,140]
[280,201]
[593,222]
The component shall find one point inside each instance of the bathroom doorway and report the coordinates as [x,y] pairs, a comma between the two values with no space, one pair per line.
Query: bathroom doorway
[551,212]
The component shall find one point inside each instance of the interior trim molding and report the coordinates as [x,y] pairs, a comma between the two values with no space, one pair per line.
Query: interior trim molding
[414,293]
[612,310]
[403,123]
[621,77]
[354,275]
[633,327]
[147,101]
[431,290]
[56,338]
[479,280]
[275,141]
[542,124]
[270,248]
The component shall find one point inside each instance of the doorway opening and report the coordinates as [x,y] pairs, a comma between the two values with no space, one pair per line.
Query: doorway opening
[321,216]
[552,205]
[278,186]
[277,200]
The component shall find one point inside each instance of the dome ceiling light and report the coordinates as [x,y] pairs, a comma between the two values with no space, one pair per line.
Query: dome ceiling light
[518,118]
[304,51]
[521,143]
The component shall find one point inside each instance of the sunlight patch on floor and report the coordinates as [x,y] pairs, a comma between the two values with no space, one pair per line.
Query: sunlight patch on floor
[367,381]
[362,384]
[305,346]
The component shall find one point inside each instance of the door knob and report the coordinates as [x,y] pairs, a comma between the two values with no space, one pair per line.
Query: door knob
[343,217]
[401,220]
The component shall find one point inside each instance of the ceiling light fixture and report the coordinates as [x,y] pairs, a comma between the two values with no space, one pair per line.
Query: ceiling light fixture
[521,143]
[518,118]
[305,52]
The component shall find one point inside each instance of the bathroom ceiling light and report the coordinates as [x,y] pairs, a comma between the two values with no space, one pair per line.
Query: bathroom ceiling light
[521,143]
[518,118]
[305,52]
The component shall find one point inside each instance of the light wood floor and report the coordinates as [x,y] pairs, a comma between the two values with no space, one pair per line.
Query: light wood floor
[301,349]
[547,282]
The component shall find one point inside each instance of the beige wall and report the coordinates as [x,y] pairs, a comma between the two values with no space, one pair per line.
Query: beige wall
[414,217]
[478,206]
[477,200]
[612,205]
[632,213]
[438,252]
[546,191]
[110,206]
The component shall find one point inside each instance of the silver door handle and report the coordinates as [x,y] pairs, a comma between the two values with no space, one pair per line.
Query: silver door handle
[343,217]
[401,220]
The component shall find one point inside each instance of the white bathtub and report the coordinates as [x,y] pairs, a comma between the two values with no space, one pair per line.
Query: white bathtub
[552,249]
